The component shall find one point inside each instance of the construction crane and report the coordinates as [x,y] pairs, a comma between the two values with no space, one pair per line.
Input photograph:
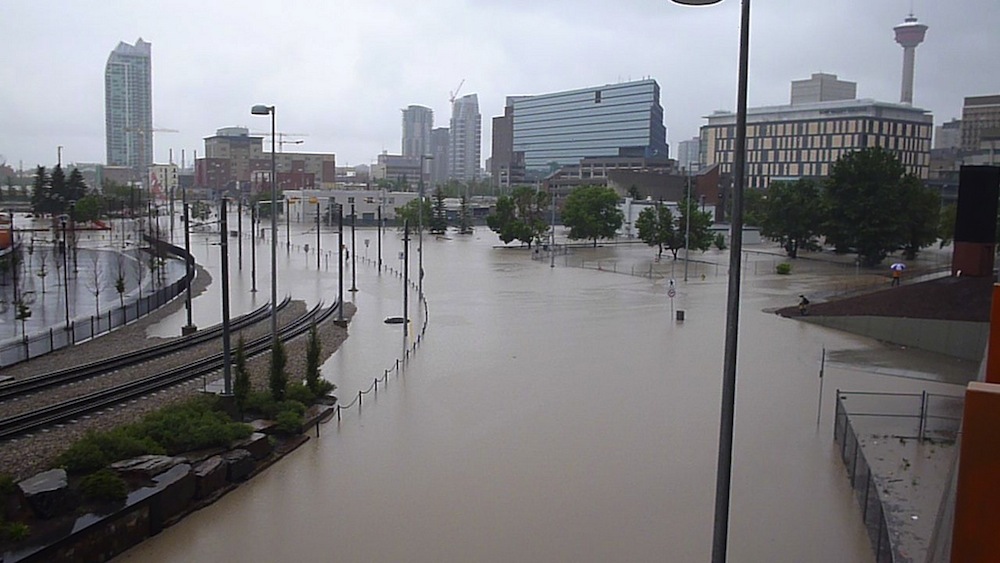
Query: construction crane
[281,138]
[453,95]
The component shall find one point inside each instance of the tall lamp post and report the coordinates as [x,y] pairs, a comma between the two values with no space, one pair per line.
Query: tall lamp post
[723,477]
[261,109]
[420,231]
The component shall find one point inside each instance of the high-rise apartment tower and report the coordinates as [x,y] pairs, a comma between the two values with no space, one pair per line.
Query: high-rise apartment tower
[417,124]
[128,106]
[465,139]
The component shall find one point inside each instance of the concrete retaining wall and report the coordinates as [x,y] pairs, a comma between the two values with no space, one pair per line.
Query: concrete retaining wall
[961,339]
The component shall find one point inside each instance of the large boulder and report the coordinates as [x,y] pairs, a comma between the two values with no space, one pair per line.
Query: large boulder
[47,493]
[239,464]
[146,466]
[178,487]
[210,476]
[257,444]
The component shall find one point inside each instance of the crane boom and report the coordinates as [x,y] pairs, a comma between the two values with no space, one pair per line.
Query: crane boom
[454,94]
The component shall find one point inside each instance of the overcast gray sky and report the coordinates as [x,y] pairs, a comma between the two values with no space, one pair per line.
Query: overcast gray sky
[341,70]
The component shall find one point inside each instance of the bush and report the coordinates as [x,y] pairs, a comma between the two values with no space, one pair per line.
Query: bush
[262,403]
[190,426]
[324,388]
[178,428]
[105,485]
[278,379]
[720,241]
[300,392]
[15,531]
[7,485]
[784,268]
[289,422]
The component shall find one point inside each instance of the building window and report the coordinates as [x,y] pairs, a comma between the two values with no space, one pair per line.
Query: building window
[597,97]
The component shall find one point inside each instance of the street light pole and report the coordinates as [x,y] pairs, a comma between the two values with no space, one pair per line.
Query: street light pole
[227,377]
[420,232]
[66,274]
[261,109]
[354,251]
[687,226]
[253,247]
[724,469]
[340,262]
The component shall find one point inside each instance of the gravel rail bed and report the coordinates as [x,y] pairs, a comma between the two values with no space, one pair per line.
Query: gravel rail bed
[23,456]
[160,364]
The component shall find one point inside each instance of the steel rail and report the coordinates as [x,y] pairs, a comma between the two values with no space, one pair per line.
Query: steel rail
[72,408]
[22,387]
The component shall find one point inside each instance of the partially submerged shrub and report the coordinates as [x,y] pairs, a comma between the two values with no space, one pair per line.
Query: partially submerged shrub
[104,485]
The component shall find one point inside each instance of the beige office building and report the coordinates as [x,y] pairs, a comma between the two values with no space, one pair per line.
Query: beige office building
[805,139]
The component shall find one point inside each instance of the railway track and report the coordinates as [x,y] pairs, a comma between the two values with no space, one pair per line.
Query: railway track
[72,408]
[49,380]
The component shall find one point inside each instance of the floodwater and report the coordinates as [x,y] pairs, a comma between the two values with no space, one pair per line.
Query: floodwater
[549,414]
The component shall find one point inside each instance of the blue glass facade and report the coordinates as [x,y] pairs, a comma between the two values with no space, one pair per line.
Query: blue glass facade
[613,120]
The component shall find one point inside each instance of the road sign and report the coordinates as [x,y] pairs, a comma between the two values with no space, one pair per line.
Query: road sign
[671,293]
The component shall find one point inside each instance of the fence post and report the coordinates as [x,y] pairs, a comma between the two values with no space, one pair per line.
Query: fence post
[385,374]
[338,412]
[923,416]
[359,400]
[864,510]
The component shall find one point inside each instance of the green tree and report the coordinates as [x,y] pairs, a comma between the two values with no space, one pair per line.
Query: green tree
[946,224]
[520,216]
[591,213]
[792,215]
[314,350]
[41,202]
[865,205]
[241,386]
[76,187]
[278,380]
[411,212]
[439,218]
[505,222]
[755,206]
[923,216]
[656,228]
[700,237]
[90,208]
[464,221]
[633,192]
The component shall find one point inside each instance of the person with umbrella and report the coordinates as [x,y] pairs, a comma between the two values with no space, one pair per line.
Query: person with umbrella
[897,272]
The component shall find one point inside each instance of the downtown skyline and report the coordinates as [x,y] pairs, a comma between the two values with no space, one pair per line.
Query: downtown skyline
[343,81]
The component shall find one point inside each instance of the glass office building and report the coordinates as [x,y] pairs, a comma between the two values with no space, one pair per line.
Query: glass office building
[560,128]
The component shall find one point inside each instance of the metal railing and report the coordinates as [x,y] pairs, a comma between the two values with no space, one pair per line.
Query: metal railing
[85,328]
[921,416]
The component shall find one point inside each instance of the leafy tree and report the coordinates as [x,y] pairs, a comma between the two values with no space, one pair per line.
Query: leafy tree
[57,189]
[923,216]
[792,215]
[700,236]
[656,228]
[865,205]
[314,350]
[439,218]
[633,192]
[278,379]
[90,208]
[505,222]
[464,221]
[520,216]
[241,386]
[411,212]
[592,213]
[755,206]
[946,224]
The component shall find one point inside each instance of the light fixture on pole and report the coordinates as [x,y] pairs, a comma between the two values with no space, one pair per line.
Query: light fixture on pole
[354,252]
[261,109]
[723,478]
